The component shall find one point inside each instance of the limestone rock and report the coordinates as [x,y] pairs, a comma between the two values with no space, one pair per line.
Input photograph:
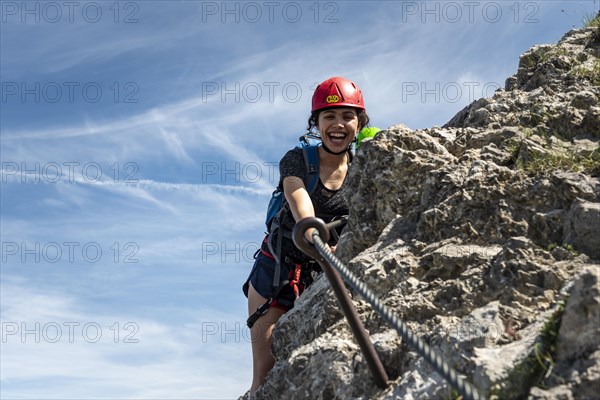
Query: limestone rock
[477,234]
[582,227]
[577,359]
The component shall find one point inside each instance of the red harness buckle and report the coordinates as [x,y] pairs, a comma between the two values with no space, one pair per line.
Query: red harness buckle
[295,281]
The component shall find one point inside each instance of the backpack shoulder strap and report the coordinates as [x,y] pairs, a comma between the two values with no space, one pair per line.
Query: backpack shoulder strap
[311,160]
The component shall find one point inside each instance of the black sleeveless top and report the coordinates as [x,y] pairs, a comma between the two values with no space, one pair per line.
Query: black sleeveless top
[327,203]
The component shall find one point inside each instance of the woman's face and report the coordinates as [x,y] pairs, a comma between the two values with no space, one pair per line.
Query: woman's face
[338,126]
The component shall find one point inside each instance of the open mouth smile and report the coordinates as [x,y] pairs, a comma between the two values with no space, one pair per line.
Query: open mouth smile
[337,137]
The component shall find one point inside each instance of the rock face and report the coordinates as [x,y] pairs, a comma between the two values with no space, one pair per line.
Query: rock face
[483,235]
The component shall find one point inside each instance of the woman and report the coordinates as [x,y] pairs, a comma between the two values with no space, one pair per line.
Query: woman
[338,113]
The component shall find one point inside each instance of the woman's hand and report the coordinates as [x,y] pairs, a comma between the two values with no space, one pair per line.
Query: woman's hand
[308,234]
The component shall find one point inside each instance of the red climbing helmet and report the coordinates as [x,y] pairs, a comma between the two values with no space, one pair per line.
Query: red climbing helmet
[337,92]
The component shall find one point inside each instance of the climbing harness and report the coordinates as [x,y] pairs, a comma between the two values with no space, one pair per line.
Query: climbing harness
[295,279]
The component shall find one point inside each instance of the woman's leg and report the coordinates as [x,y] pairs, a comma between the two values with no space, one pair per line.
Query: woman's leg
[261,332]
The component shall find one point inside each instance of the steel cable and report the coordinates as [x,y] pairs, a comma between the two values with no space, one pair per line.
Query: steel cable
[464,388]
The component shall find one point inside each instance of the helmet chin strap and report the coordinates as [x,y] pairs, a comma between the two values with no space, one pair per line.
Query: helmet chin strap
[327,149]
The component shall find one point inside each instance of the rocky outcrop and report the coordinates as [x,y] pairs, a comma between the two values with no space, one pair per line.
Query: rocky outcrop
[483,235]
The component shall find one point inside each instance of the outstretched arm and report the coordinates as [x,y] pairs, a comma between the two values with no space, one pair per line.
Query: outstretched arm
[300,203]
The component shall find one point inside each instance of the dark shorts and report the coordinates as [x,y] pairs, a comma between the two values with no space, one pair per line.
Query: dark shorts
[262,275]
[261,278]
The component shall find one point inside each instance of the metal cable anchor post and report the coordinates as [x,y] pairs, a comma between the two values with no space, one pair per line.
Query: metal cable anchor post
[368,350]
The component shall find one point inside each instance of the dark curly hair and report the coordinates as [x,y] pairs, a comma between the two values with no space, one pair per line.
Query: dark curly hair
[313,120]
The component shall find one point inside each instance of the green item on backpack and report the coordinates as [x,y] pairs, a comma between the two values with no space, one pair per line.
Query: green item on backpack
[366,133]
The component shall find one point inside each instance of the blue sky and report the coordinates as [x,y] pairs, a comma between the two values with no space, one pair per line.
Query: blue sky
[139,142]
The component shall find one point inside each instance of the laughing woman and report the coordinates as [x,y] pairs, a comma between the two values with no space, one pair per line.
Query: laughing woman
[338,114]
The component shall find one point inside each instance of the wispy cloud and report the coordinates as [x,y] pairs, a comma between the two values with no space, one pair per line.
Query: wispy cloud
[77,43]
[96,355]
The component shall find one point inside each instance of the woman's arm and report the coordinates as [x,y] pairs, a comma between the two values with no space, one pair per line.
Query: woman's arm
[300,203]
